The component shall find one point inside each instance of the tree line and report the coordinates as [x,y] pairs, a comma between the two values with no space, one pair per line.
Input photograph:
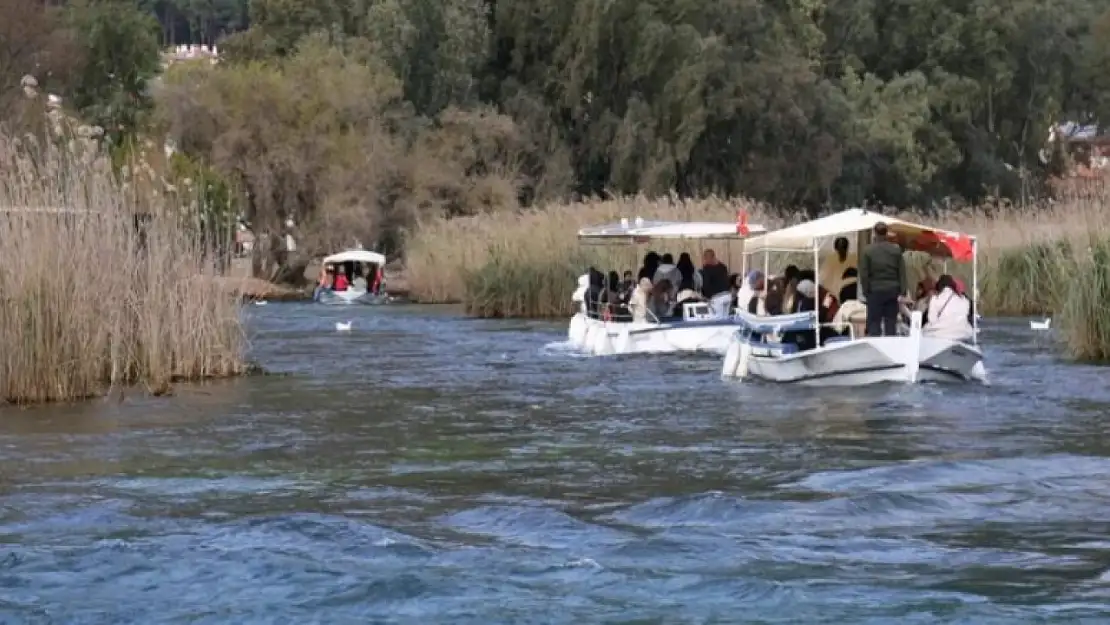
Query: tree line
[365,115]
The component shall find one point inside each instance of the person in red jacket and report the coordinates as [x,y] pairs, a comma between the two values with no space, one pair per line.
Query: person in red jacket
[341,282]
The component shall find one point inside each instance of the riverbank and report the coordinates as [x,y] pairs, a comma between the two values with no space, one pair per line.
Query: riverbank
[1034,261]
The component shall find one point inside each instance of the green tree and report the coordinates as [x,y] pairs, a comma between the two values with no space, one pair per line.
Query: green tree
[121,55]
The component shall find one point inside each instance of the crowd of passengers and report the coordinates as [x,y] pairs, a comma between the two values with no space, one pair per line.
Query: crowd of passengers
[346,276]
[856,295]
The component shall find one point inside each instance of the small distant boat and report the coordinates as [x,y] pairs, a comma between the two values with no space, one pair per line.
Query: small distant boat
[341,326]
[1041,325]
[372,264]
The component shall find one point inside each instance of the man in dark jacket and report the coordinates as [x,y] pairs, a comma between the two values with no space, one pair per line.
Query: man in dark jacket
[714,275]
[882,273]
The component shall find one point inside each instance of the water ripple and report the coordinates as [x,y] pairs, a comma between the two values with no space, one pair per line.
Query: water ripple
[427,469]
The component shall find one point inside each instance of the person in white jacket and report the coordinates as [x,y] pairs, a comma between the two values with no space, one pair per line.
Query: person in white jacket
[948,312]
[639,302]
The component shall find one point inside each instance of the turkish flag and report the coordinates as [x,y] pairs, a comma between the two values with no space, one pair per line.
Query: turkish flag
[742,223]
[957,245]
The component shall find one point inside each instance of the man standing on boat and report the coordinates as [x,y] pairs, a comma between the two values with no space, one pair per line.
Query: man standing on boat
[882,273]
[714,275]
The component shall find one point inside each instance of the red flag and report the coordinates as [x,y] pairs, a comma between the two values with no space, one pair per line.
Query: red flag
[742,223]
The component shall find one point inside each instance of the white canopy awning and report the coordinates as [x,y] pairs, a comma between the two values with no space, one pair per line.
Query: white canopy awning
[820,233]
[357,256]
[641,231]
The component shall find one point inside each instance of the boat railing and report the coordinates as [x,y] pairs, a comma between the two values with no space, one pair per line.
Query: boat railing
[607,311]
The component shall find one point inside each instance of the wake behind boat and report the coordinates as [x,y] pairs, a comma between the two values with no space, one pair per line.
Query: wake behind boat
[352,277]
[696,324]
[804,349]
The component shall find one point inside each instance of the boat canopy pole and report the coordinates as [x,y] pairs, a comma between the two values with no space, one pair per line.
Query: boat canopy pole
[817,293]
[975,291]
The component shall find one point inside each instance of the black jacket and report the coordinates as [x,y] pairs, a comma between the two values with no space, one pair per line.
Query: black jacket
[882,269]
[714,279]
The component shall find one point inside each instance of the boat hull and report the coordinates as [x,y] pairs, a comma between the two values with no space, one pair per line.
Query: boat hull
[343,298]
[863,361]
[602,338]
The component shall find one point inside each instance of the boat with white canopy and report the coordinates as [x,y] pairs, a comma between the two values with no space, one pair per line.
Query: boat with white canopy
[696,326]
[362,279]
[757,349]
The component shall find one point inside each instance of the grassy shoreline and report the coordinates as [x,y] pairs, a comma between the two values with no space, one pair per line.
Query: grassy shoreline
[1052,259]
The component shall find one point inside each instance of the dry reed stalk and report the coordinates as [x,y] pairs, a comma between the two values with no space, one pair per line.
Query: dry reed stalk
[86,302]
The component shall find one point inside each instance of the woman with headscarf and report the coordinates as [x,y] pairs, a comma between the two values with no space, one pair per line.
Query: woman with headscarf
[948,313]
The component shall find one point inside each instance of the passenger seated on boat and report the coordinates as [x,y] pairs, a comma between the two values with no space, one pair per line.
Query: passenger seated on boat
[359,283]
[772,300]
[640,301]
[752,285]
[970,304]
[852,313]
[661,303]
[790,277]
[327,277]
[627,286]
[594,293]
[651,263]
[341,281]
[668,271]
[613,287]
[922,295]
[579,295]
[617,306]
[807,300]
[379,280]
[948,313]
[691,279]
[849,286]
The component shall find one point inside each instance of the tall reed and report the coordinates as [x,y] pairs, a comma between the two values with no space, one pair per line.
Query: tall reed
[90,298]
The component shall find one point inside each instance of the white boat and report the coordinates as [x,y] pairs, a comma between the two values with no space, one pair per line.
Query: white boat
[371,262]
[758,351]
[702,326]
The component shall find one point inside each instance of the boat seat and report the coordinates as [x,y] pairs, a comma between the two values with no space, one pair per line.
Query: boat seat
[789,348]
[837,339]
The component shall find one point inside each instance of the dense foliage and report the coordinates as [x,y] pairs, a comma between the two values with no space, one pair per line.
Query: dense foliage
[364,116]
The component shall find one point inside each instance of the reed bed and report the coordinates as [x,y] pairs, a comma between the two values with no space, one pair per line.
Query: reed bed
[90,299]
[1050,259]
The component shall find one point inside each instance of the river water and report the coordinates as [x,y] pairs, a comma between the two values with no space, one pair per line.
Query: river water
[430,469]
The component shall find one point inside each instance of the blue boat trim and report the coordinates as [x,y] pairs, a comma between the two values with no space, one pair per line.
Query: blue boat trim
[680,325]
